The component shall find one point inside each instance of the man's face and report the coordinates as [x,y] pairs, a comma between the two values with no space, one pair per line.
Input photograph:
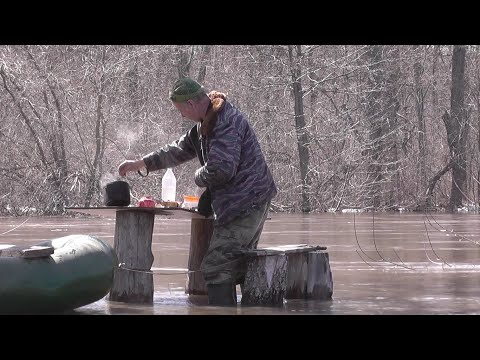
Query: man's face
[188,109]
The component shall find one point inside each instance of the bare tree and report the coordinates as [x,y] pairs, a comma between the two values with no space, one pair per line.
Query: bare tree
[302,135]
[70,114]
[420,94]
[456,124]
[375,126]
[45,129]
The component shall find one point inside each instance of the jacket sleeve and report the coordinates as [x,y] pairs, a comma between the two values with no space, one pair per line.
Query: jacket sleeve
[171,155]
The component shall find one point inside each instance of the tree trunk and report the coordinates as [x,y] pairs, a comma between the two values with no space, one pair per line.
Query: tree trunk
[204,57]
[302,133]
[133,280]
[265,280]
[56,133]
[184,64]
[392,107]
[456,125]
[478,148]
[200,234]
[420,94]
[100,126]
[319,278]
[433,182]
[184,61]
[286,272]
[374,121]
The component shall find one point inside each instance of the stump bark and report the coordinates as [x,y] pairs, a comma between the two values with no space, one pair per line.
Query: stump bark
[200,234]
[286,272]
[319,279]
[265,280]
[297,270]
[133,279]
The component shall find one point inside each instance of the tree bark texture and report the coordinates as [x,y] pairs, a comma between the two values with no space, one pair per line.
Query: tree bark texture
[297,270]
[374,121]
[457,128]
[265,280]
[300,126]
[319,276]
[420,94]
[433,182]
[392,104]
[273,276]
[133,280]
[200,235]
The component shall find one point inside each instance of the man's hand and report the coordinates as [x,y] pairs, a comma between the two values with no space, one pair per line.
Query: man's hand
[130,165]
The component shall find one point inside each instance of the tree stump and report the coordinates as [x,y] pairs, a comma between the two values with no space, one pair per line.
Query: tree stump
[309,275]
[133,279]
[319,278]
[286,272]
[297,270]
[265,280]
[200,234]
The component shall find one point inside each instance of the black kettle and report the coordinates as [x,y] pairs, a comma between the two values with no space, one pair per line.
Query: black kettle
[117,193]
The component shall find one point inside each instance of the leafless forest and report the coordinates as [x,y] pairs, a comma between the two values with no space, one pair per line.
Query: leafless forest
[342,126]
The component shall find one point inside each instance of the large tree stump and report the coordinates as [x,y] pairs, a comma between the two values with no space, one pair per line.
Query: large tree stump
[133,279]
[286,272]
[297,270]
[200,234]
[319,279]
[265,280]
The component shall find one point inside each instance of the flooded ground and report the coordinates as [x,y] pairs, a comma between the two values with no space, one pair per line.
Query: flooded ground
[381,263]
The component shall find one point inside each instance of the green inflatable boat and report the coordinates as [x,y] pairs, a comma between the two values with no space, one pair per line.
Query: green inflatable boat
[55,276]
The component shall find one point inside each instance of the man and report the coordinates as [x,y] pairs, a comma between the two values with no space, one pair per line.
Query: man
[233,170]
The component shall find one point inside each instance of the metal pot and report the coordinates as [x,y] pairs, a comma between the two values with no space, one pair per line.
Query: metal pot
[117,193]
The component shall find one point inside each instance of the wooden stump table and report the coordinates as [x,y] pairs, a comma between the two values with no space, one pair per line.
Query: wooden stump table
[273,274]
[200,234]
[133,278]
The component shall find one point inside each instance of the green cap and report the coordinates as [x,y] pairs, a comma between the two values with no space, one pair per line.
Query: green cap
[185,89]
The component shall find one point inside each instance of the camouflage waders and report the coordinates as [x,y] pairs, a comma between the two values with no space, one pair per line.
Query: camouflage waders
[218,266]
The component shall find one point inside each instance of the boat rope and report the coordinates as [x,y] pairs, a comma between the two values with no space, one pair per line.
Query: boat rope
[122,266]
[16,227]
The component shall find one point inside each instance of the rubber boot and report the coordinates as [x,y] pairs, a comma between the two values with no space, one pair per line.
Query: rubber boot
[222,294]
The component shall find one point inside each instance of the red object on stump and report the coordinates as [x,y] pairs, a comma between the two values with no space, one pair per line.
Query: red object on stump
[146,201]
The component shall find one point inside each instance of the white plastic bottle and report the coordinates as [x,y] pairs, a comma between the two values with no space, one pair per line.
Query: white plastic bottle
[169,186]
